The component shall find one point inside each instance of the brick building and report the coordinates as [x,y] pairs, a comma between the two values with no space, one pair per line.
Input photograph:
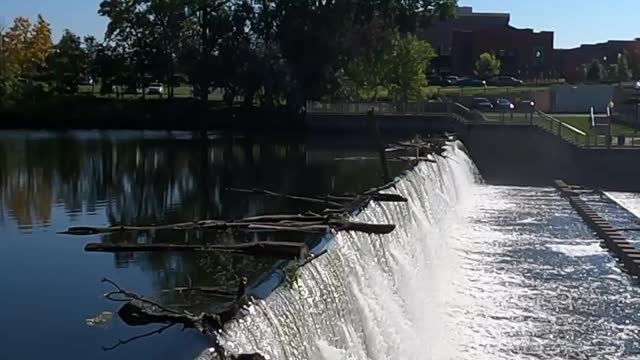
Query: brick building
[567,61]
[460,41]
[440,33]
[523,52]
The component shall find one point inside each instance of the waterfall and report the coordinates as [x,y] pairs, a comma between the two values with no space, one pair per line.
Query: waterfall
[374,297]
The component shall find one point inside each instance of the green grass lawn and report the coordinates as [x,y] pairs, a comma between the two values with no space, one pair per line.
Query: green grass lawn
[479,91]
[584,123]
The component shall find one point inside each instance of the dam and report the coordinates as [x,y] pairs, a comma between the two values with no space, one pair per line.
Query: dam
[473,270]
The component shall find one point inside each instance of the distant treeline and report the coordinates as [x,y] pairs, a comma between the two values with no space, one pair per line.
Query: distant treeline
[266,52]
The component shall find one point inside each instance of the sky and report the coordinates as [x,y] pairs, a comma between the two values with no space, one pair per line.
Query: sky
[574,22]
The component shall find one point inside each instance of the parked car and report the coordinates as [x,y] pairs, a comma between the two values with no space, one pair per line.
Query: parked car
[435,80]
[469,82]
[451,80]
[130,90]
[504,104]
[505,81]
[482,104]
[86,81]
[155,89]
[526,105]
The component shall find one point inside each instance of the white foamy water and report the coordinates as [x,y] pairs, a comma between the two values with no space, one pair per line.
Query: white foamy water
[630,201]
[471,272]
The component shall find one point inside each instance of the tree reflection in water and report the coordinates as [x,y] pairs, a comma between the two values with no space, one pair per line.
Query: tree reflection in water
[127,178]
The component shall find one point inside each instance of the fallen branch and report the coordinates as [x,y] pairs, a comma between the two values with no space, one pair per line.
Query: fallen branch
[286,196]
[262,248]
[416,158]
[213,291]
[138,337]
[379,197]
[379,229]
[384,187]
[314,224]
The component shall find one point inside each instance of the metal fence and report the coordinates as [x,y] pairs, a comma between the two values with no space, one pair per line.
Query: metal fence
[579,137]
[384,108]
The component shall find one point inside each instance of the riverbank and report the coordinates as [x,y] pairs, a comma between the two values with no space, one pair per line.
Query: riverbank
[86,112]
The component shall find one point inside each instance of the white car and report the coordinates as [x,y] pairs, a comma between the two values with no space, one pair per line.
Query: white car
[155,89]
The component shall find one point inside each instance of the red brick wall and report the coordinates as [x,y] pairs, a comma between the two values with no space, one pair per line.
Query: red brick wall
[515,47]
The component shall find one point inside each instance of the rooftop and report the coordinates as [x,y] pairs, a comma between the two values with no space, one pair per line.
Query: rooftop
[467,11]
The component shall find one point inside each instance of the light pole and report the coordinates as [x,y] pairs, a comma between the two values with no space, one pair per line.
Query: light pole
[610,115]
[636,86]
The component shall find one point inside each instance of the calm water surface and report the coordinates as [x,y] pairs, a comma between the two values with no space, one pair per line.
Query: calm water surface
[529,280]
[49,182]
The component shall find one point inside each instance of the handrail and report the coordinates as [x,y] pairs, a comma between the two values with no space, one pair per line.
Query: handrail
[563,124]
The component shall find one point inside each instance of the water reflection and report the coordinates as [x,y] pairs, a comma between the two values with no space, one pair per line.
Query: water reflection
[165,178]
[49,182]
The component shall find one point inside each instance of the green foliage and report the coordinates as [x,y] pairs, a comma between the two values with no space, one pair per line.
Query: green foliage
[268,51]
[596,71]
[372,45]
[407,65]
[623,73]
[487,66]
[582,72]
[68,63]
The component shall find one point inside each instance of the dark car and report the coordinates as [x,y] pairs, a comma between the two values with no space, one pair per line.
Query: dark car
[506,81]
[86,81]
[468,82]
[526,105]
[504,104]
[482,104]
[435,80]
[452,79]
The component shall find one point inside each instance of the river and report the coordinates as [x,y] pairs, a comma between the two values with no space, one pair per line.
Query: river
[472,272]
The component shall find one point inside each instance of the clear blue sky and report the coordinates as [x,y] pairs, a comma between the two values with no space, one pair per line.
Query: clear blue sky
[574,21]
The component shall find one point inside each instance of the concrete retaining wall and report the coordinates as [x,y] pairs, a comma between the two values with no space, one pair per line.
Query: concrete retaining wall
[528,155]
[580,98]
[358,123]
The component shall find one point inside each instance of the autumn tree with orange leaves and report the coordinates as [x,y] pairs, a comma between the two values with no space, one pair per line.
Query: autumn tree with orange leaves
[28,45]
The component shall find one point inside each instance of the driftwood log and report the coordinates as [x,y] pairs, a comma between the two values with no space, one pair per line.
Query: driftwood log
[273,223]
[140,311]
[266,248]
[336,201]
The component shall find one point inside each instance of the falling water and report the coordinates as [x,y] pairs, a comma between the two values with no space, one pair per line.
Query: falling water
[372,297]
[471,272]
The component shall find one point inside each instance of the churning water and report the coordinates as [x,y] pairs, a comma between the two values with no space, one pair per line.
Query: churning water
[471,272]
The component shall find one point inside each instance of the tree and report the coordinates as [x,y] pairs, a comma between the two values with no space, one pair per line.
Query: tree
[407,64]
[91,51]
[25,48]
[17,42]
[168,22]
[581,71]
[487,66]
[129,31]
[596,71]
[623,71]
[8,72]
[41,42]
[68,63]
[372,46]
